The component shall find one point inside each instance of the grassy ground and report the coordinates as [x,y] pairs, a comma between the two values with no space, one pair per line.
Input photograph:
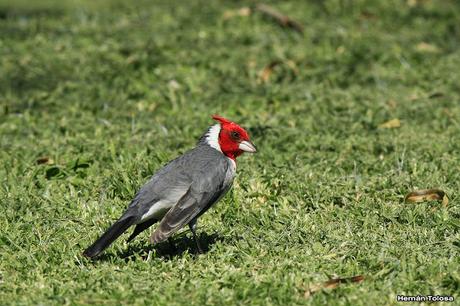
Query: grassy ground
[109,91]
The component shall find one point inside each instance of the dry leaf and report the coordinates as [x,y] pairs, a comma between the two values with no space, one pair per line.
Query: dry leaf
[418,2]
[44,160]
[228,14]
[264,74]
[413,3]
[423,195]
[367,15]
[436,95]
[393,123]
[267,71]
[426,47]
[332,283]
[242,12]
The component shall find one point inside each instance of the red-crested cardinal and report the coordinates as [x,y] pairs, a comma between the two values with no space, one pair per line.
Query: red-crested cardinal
[184,189]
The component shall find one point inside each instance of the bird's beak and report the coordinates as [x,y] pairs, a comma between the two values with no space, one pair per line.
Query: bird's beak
[247,146]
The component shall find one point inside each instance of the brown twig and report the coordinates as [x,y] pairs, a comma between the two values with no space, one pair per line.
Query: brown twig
[332,283]
[281,19]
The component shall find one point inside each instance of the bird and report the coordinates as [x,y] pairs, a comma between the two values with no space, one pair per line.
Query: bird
[184,189]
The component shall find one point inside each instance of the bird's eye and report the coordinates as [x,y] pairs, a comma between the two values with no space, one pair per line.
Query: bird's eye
[235,135]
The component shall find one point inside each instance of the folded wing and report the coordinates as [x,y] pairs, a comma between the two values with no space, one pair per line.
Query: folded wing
[208,185]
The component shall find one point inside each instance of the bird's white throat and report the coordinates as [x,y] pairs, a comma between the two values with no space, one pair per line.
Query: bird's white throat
[212,137]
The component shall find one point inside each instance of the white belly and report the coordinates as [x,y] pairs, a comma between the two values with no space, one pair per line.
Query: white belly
[157,211]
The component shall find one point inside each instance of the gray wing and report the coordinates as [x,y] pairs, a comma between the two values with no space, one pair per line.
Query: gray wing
[169,184]
[207,187]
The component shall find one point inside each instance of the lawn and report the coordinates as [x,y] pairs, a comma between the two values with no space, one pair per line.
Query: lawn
[96,96]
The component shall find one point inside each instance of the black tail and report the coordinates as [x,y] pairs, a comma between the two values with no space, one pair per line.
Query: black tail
[108,237]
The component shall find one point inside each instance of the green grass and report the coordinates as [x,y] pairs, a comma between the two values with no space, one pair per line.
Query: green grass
[110,91]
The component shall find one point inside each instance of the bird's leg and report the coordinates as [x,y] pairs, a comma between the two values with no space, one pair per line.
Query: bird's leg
[192,226]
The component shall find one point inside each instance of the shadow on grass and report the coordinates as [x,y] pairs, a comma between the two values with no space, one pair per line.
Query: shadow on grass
[166,250]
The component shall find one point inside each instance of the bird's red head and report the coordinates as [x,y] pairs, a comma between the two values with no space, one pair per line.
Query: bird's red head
[233,139]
